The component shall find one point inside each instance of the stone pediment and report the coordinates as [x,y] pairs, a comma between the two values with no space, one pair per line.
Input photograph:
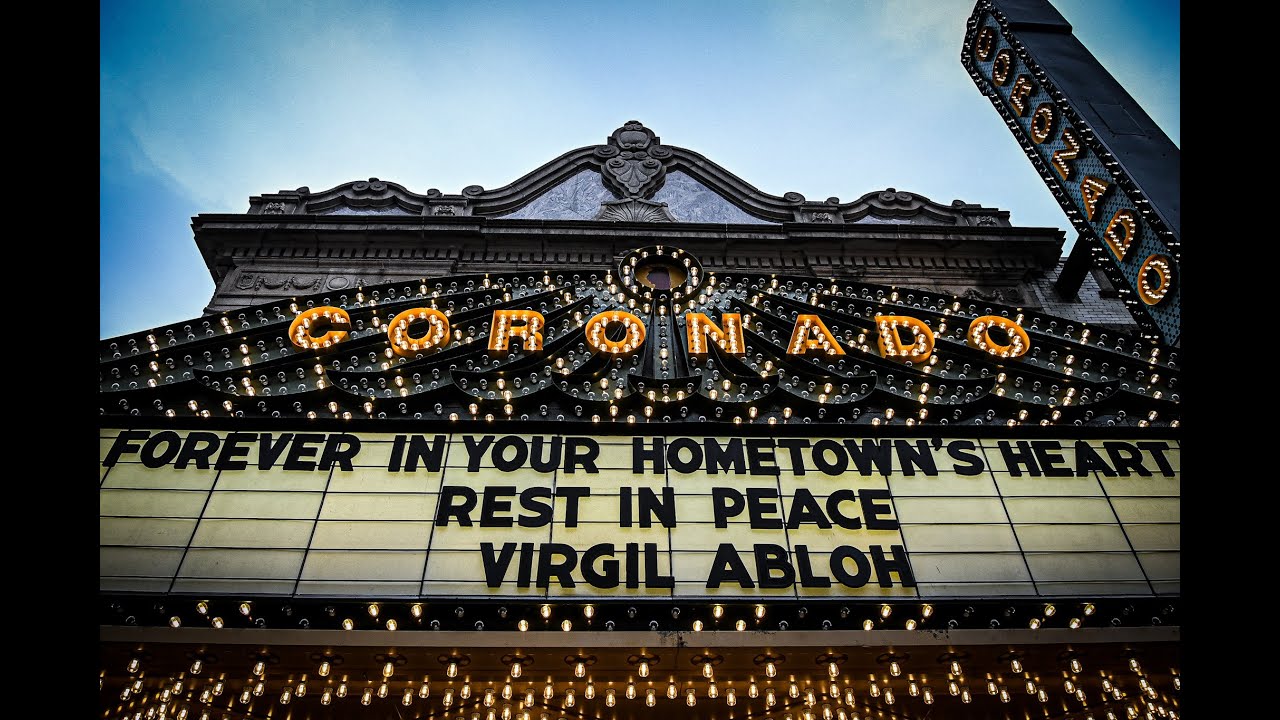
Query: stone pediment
[632,177]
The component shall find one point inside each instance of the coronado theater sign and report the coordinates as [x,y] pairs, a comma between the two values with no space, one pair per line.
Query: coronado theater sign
[1139,247]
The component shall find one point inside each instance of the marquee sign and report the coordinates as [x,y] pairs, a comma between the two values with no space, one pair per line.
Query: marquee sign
[361,514]
[656,339]
[1138,247]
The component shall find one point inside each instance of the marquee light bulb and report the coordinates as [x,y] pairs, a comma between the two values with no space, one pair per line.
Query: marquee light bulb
[566,625]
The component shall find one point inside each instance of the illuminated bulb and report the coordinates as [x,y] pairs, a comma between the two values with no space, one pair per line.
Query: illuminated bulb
[965,696]
[895,669]
[770,699]
[753,691]
[913,690]
[451,670]
[1076,666]
[416,610]
[885,611]
[759,612]
[197,666]
[927,695]
[643,670]
[516,669]
[833,670]
[740,625]
[244,696]
[342,690]
[259,668]
[672,690]
[1049,610]
[202,607]
[425,690]
[1015,665]
[383,690]
[569,699]
[1073,623]
[793,690]
[1004,695]
[548,692]
[589,611]
[868,624]
[1069,686]
[610,698]
[580,669]
[1031,687]
[388,669]
[730,697]
[911,624]
[487,701]
[175,621]
[133,665]
[407,700]
[690,698]
[874,690]
[707,670]
[545,611]
[1042,696]
[770,669]
[447,700]
[926,610]
[888,696]
[1133,665]
[991,687]
[953,687]
[697,626]
[1089,609]
[1034,624]
[717,611]
[522,625]
[348,623]
[366,697]
[326,697]
[285,696]
[650,697]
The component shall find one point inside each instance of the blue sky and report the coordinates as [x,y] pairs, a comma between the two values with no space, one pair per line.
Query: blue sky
[206,103]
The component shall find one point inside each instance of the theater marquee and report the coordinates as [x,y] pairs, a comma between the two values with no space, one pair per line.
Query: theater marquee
[515,515]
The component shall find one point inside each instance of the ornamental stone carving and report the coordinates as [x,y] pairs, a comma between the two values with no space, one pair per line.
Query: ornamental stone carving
[632,210]
[632,164]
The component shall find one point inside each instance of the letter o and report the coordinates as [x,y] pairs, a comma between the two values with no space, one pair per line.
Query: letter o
[979,336]
[596,337]
[404,344]
[1162,267]
[1002,68]
[300,328]
[1042,123]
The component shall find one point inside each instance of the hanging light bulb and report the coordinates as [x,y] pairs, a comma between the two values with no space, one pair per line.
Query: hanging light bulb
[868,624]
[383,690]
[407,700]
[630,692]
[894,668]
[874,690]
[913,690]
[590,691]
[713,691]
[366,697]
[770,699]
[690,698]
[244,696]
[1076,666]
[517,668]
[342,690]
[566,625]
[323,670]
[759,611]
[730,697]
[487,700]
[451,670]
[643,670]
[326,697]
[650,697]
[672,690]
[1004,695]
[770,669]
[888,696]
[926,611]
[286,695]
[569,699]
[529,698]
[579,669]
[707,670]
[1133,664]
[259,689]
[388,669]
[1015,665]
[447,700]
[965,697]
[259,668]
[926,694]
[196,666]
[833,670]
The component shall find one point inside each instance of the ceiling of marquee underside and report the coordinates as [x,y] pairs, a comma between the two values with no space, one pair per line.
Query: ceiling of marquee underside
[615,666]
